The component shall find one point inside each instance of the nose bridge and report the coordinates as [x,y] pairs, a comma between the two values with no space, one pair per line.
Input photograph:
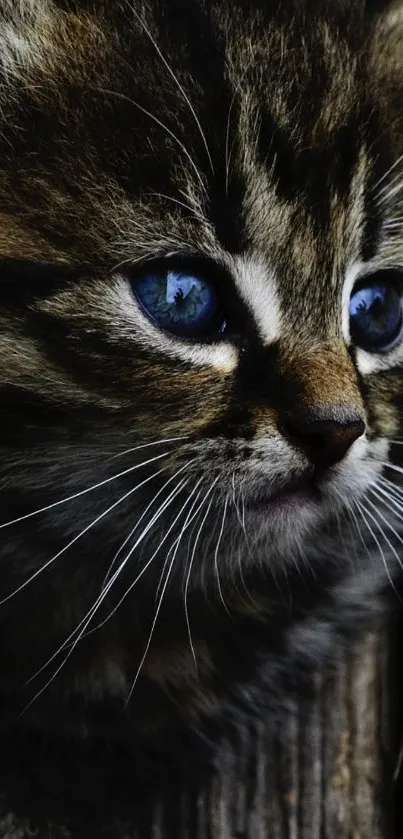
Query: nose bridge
[323,413]
[325,383]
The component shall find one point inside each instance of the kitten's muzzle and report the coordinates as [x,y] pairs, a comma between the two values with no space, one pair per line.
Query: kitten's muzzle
[324,441]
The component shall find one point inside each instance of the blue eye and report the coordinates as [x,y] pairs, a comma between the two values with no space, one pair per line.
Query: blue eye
[376,313]
[180,302]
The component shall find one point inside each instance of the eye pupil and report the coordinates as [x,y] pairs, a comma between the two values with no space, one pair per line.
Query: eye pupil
[376,313]
[179,297]
[179,301]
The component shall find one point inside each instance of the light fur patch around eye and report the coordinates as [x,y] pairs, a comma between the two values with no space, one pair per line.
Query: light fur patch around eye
[369,363]
[257,288]
[122,311]
[353,272]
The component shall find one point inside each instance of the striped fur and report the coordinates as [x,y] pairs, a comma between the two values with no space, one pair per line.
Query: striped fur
[263,139]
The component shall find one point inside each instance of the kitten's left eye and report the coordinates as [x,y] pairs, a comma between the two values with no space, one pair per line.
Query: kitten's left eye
[180,302]
[376,312]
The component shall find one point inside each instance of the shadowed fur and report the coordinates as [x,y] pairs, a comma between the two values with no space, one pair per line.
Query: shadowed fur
[150,545]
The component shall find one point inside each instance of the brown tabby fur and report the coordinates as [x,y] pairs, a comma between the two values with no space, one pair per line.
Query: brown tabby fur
[256,136]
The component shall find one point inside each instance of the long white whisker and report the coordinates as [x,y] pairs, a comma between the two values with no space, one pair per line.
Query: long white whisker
[80,535]
[190,571]
[85,621]
[398,487]
[384,196]
[241,520]
[391,466]
[175,79]
[393,225]
[178,489]
[388,172]
[235,503]
[83,491]
[389,543]
[392,502]
[144,513]
[189,513]
[387,523]
[347,505]
[394,489]
[363,510]
[352,513]
[198,216]
[147,445]
[389,186]
[159,604]
[227,154]
[187,523]
[217,548]
[162,125]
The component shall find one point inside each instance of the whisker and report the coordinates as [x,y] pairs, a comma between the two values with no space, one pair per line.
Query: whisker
[389,186]
[190,570]
[241,520]
[393,225]
[198,216]
[194,490]
[392,500]
[84,491]
[351,511]
[127,592]
[387,540]
[387,523]
[175,79]
[95,606]
[385,196]
[393,484]
[377,495]
[145,445]
[80,535]
[388,172]
[175,548]
[227,151]
[216,558]
[364,510]
[158,609]
[162,125]
[391,466]
[144,513]
[342,536]
[235,503]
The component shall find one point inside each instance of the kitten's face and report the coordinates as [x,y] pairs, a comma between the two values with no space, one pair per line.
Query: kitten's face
[202,275]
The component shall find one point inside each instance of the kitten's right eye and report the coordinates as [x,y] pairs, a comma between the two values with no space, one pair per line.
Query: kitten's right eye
[180,302]
[376,317]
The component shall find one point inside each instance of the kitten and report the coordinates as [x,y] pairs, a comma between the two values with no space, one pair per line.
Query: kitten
[201,349]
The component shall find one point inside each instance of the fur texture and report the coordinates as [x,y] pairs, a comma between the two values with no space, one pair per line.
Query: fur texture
[259,143]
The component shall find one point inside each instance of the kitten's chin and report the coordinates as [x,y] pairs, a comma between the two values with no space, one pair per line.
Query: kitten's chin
[299,500]
[286,517]
[293,497]
[294,514]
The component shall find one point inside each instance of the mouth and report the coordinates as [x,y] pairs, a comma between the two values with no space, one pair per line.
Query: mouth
[292,495]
